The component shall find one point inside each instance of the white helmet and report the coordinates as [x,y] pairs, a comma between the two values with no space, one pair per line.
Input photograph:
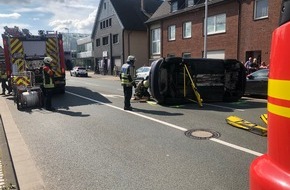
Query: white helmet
[146,83]
[47,60]
[131,58]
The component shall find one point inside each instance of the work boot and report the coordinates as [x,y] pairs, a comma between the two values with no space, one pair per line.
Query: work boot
[129,108]
[3,93]
[50,109]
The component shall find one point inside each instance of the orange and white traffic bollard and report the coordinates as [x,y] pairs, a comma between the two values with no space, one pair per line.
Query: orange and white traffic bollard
[272,170]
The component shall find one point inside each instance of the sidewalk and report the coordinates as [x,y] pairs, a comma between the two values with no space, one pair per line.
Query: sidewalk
[28,176]
[106,77]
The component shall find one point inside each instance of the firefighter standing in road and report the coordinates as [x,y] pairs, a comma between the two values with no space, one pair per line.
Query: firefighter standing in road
[48,82]
[3,78]
[126,76]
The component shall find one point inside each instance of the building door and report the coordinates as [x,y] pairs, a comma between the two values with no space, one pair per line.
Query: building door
[216,54]
[254,54]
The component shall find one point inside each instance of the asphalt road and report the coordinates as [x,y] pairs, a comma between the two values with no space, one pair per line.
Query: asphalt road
[90,142]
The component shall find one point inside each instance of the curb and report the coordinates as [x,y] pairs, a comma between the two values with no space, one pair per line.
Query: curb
[27,174]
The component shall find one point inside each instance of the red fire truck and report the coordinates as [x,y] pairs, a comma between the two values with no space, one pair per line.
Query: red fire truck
[25,52]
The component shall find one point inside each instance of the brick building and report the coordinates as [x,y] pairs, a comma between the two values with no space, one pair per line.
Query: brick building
[236,29]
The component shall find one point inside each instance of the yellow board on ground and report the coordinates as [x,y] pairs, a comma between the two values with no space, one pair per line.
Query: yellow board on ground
[246,125]
[264,118]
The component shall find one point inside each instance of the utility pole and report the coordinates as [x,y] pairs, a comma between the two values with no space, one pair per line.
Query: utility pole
[205,30]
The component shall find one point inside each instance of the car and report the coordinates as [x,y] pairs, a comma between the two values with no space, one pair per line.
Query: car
[79,71]
[142,72]
[257,83]
[171,80]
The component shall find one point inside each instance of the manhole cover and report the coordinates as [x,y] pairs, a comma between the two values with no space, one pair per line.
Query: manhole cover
[202,134]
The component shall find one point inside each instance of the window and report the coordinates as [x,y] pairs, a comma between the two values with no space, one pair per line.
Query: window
[110,22]
[105,5]
[216,24]
[261,9]
[115,38]
[190,3]
[98,42]
[171,33]
[107,23]
[105,40]
[187,30]
[174,6]
[184,55]
[155,41]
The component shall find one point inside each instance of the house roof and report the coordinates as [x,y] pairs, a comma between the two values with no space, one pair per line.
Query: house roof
[131,14]
[164,10]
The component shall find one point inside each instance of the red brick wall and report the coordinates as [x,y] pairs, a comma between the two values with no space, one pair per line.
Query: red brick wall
[255,35]
[226,41]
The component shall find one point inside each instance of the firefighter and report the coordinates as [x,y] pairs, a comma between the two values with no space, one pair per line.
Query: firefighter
[48,83]
[127,81]
[141,91]
[4,79]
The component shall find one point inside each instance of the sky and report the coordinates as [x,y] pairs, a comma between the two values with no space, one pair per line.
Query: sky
[73,16]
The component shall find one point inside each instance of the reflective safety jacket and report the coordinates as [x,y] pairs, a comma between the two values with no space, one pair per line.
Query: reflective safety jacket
[48,81]
[3,75]
[127,72]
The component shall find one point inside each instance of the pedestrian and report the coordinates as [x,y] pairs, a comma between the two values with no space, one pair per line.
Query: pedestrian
[48,83]
[263,65]
[254,66]
[248,64]
[115,70]
[127,81]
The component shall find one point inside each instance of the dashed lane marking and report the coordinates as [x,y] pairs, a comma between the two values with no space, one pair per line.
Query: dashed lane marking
[170,125]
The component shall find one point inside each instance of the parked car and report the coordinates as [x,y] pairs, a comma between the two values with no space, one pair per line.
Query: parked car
[142,73]
[79,71]
[257,83]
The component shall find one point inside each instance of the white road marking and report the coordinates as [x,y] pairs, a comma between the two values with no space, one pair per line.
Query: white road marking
[170,125]
[88,83]
[224,107]
[112,95]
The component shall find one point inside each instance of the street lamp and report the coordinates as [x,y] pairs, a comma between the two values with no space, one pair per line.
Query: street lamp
[205,30]
[67,39]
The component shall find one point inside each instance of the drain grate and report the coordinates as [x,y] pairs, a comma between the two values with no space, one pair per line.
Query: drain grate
[202,134]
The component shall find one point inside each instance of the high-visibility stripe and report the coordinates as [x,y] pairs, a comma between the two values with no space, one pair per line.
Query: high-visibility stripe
[279,110]
[279,102]
[21,81]
[52,51]
[17,48]
[279,89]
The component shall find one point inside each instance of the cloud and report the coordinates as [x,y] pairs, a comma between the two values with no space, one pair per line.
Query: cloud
[75,25]
[12,15]
[15,1]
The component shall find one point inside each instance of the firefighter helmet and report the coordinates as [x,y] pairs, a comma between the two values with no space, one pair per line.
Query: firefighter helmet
[47,60]
[131,58]
[146,83]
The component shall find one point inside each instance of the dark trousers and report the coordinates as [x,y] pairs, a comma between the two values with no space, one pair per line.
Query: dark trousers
[48,95]
[4,86]
[128,95]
